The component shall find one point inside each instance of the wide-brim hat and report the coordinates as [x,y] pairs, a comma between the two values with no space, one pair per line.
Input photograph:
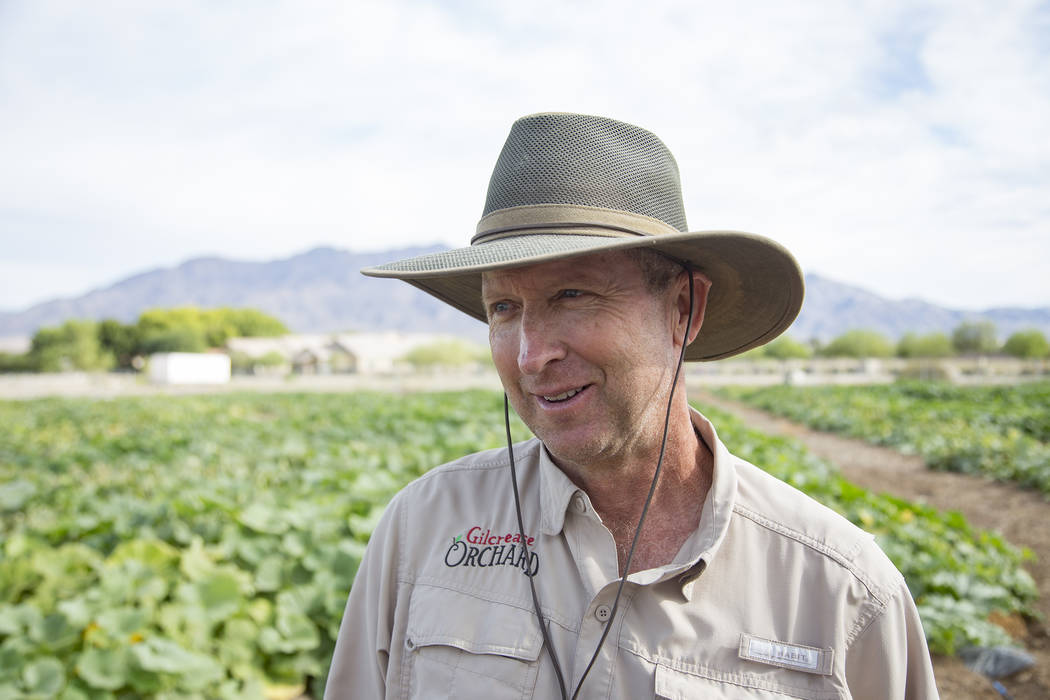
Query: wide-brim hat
[570,184]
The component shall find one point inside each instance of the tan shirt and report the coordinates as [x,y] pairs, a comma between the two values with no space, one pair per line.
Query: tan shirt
[773,596]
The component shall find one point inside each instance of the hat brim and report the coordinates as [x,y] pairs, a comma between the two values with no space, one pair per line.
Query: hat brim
[756,292]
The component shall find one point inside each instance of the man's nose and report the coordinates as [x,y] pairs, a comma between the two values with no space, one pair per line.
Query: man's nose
[539,343]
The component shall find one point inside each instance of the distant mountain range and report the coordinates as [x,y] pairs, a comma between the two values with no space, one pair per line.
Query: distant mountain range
[322,290]
[832,308]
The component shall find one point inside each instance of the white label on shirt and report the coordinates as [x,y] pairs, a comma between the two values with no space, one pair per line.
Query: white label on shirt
[794,656]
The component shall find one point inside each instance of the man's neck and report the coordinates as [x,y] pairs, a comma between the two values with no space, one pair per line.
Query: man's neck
[618,495]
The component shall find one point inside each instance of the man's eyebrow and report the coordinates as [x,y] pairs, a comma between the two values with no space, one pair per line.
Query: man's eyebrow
[488,292]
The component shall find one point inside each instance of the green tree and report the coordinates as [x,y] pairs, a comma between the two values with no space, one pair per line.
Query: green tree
[171,330]
[189,327]
[858,343]
[224,323]
[121,340]
[929,345]
[975,337]
[787,348]
[15,362]
[73,345]
[1029,343]
[174,340]
[252,323]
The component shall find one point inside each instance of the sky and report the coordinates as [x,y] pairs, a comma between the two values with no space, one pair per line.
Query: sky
[903,147]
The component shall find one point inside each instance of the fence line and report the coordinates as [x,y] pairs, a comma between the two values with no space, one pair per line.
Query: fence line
[959,370]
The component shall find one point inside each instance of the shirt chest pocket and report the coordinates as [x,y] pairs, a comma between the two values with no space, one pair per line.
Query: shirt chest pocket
[459,646]
[675,684]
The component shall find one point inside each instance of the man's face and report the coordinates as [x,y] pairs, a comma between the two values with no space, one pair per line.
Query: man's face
[585,352]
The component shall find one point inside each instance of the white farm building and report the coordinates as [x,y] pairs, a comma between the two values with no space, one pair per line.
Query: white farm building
[189,368]
[341,353]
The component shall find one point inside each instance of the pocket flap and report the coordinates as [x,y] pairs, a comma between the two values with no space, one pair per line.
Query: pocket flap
[677,684]
[452,618]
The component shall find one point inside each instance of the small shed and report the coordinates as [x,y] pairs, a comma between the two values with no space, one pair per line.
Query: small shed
[16,344]
[189,368]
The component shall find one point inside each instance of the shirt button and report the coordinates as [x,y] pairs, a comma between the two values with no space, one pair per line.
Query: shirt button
[578,504]
[602,612]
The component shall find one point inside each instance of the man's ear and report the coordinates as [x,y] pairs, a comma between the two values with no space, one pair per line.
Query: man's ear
[701,288]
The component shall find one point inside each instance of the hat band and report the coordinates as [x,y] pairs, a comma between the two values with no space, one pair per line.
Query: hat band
[570,219]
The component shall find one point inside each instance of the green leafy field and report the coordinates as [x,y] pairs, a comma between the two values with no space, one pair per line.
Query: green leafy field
[957,575]
[204,546]
[1000,431]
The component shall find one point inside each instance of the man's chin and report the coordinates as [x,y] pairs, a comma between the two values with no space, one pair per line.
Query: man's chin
[574,449]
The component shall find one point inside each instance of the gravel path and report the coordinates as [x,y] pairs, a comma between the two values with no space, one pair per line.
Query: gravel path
[1023,518]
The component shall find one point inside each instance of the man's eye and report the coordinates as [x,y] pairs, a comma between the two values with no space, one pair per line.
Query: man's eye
[499,307]
[570,293]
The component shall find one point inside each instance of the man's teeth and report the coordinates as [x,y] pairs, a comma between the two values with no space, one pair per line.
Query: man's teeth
[567,395]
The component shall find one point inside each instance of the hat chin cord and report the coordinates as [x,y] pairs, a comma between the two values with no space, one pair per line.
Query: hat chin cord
[634,542]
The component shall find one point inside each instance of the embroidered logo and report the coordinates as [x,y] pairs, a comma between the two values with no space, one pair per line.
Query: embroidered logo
[481,547]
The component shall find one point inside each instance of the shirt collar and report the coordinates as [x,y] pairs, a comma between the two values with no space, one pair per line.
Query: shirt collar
[556,491]
[702,546]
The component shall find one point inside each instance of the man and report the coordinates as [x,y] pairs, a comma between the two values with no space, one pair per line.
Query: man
[501,575]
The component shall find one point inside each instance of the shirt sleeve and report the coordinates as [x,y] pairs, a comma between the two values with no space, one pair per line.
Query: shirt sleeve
[890,659]
[362,649]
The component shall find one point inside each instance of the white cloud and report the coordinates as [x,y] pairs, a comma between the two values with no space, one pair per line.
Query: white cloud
[886,145]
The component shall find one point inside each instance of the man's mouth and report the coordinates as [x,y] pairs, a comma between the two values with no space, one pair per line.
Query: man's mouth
[564,396]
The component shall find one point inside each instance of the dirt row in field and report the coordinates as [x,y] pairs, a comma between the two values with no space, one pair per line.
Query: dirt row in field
[1023,518]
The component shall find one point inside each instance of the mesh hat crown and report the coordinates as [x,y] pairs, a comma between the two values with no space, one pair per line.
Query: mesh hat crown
[566,185]
[575,159]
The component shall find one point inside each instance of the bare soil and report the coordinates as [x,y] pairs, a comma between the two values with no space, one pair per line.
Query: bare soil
[1021,517]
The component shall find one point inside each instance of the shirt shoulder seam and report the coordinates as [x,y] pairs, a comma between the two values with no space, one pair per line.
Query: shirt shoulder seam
[822,547]
[866,622]
[869,611]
